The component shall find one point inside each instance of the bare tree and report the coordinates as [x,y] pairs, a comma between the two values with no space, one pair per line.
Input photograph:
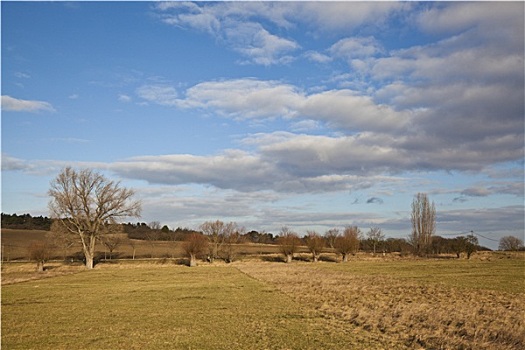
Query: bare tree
[315,244]
[89,205]
[423,224]
[195,245]
[510,243]
[471,245]
[330,237]
[348,242]
[375,236]
[111,241]
[288,243]
[233,236]
[216,231]
[39,252]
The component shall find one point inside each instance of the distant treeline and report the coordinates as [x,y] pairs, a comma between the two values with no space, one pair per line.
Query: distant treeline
[155,232]
[144,231]
[26,222]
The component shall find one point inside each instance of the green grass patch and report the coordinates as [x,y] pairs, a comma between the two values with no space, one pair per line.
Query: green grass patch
[161,307]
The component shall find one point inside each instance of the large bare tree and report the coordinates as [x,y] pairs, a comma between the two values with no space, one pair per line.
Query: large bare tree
[423,223]
[90,205]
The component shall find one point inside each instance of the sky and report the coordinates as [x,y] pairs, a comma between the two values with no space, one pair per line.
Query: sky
[310,115]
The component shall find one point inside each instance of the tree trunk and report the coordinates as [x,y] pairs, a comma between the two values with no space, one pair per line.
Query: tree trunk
[315,258]
[345,257]
[40,266]
[89,260]
[289,258]
[193,260]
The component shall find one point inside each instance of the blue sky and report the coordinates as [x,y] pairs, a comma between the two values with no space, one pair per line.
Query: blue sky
[307,114]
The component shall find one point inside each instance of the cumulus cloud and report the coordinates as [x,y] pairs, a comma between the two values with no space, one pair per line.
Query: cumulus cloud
[11,104]
[245,98]
[323,16]
[240,171]
[252,98]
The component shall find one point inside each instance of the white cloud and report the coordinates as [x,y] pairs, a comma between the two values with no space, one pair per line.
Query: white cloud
[245,98]
[126,98]
[353,111]
[12,164]
[235,25]
[231,169]
[463,16]
[251,98]
[305,125]
[317,57]
[161,94]
[356,47]
[261,47]
[335,16]
[12,104]
[22,75]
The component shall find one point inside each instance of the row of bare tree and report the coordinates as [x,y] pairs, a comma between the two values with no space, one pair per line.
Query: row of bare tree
[88,206]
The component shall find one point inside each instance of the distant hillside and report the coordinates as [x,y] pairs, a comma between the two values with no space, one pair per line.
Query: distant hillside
[25,222]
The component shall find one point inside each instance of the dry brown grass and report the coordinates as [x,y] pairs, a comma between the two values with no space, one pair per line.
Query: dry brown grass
[21,272]
[15,245]
[419,314]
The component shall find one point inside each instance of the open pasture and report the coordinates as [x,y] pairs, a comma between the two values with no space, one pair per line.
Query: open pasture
[372,304]
[154,306]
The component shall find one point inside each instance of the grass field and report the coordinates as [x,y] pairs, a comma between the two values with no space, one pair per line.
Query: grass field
[430,304]
[163,307]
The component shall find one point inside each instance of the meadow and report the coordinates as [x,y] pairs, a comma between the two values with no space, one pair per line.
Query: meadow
[256,304]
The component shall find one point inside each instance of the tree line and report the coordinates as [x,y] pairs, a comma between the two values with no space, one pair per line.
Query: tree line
[26,222]
[87,205]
